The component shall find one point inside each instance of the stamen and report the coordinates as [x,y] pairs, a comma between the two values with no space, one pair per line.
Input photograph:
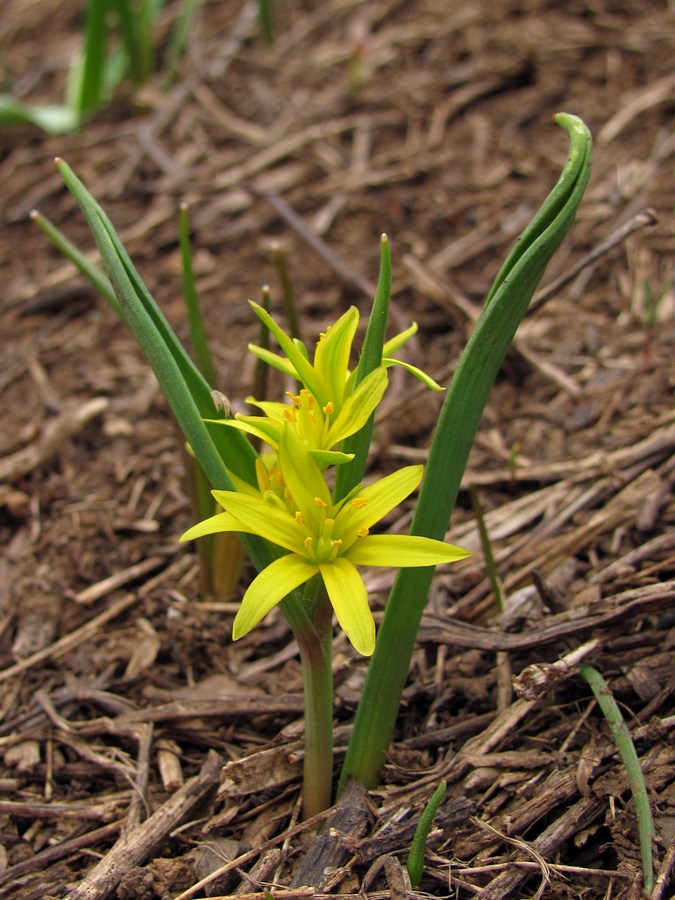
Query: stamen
[329,408]
[363,531]
[309,540]
[359,503]
[298,517]
[320,503]
[336,543]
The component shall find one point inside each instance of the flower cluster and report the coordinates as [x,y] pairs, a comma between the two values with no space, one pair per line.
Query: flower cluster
[292,506]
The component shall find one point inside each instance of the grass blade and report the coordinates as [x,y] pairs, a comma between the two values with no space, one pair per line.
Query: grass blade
[631,764]
[194,315]
[84,265]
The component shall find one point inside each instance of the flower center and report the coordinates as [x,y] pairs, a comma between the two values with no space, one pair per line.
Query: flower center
[324,546]
[311,421]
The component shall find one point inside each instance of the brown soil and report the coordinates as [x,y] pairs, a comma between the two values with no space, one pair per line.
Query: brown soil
[431,121]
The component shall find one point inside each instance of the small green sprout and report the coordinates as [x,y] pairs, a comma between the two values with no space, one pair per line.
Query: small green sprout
[415,862]
[631,763]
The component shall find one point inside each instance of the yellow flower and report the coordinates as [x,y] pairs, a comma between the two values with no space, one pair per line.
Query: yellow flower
[296,512]
[330,407]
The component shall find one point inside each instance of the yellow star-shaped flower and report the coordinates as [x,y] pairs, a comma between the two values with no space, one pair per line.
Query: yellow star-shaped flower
[322,538]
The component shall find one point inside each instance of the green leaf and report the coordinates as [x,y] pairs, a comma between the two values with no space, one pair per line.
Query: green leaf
[188,393]
[71,252]
[463,407]
[52,118]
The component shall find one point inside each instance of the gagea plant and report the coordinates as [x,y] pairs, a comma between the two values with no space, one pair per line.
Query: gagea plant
[305,516]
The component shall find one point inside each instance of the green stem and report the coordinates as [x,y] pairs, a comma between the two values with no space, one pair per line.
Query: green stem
[631,763]
[315,643]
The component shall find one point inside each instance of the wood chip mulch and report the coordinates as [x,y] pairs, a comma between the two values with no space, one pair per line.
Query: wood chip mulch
[142,753]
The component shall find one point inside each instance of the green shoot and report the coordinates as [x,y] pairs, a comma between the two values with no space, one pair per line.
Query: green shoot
[486,546]
[90,271]
[631,763]
[194,315]
[290,303]
[117,42]
[415,862]
[266,19]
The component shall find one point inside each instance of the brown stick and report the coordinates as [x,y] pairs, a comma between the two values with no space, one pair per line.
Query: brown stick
[138,845]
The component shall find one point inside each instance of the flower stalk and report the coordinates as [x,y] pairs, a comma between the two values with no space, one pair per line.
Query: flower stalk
[316,655]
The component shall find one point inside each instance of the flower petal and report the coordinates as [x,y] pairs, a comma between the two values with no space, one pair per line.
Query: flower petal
[271,408]
[220,522]
[358,408]
[393,344]
[274,360]
[418,373]
[303,368]
[382,496]
[259,517]
[326,458]
[270,587]
[267,430]
[349,598]
[403,551]
[302,477]
[331,356]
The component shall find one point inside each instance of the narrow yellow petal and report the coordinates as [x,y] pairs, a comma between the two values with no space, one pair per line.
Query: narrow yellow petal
[331,356]
[220,522]
[302,476]
[358,408]
[349,598]
[269,588]
[403,551]
[381,497]
[258,517]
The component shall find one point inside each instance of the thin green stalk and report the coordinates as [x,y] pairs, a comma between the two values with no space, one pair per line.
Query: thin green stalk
[194,315]
[178,39]
[415,861]
[287,292]
[351,473]
[631,763]
[316,645]
[136,30]
[266,19]
[71,252]
[486,546]
[91,77]
[455,431]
